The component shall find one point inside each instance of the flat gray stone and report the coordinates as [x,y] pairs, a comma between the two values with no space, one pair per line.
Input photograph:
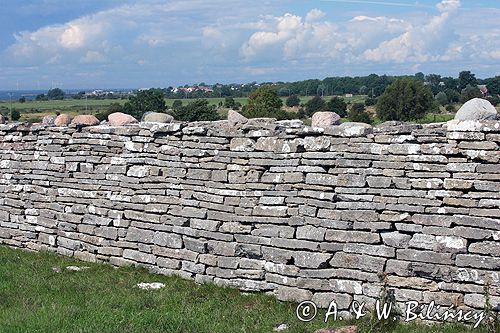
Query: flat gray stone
[157,117]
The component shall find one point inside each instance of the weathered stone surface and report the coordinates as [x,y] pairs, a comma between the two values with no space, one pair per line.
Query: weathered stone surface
[396,239]
[234,118]
[356,261]
[470,260]
[311,260]
[242,144]
[62,120]
[325,119]
[354,129]
[157,117]
[293,294]
[85,120]
[49,119]
[476,109]
[120,119]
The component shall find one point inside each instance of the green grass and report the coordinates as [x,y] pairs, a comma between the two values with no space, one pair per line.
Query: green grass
[93,104]
[34,111]
[36,298]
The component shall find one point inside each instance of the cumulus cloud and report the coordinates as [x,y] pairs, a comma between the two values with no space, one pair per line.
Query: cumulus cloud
[448,5]
[418,43]
[188,39]
[314,14]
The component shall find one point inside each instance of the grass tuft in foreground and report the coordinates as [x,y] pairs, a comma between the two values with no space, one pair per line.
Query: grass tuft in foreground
[38,294]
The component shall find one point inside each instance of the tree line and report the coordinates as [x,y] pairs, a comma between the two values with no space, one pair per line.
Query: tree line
[405,99]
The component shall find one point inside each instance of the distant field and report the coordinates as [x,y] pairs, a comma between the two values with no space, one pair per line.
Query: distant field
[33,111]
[92,104]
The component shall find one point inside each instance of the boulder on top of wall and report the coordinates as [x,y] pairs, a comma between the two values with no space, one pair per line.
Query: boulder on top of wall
[62,120]
[85,120]
[477,109]
[49,119]
[235,118]
[120,119]
[325,119]
[157,117]
[2,119]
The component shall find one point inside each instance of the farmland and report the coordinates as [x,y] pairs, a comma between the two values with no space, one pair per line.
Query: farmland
[34,111]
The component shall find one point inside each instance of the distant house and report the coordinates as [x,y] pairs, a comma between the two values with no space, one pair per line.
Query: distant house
[483,89]
[205,89]
[348,95]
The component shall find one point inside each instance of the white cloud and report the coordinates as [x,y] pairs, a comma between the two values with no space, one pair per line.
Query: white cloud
[418,43]
[92,57]
[314,14]
[211,40]
[448,5]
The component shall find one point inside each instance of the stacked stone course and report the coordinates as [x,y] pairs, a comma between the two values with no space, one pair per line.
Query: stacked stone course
[276,206]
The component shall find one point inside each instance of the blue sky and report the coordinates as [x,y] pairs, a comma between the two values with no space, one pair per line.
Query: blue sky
[134,44]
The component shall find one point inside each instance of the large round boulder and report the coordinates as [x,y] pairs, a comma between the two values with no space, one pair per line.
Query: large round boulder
[157,117]
[62,120]
[49,120]
[85,120]
[477,109]
[120,119]
[325,119]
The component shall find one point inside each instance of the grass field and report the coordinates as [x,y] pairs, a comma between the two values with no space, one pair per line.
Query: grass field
[93,104]
[38,294]
[34,111]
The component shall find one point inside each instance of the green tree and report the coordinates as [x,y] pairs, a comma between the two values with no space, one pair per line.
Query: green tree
[197,110]
[314,105]
[15,115]
[264,102]
[358,113]
[453,95]
[469,93]
[442,98]
[420,76]
[230,103]
[41,97]
[115,107]
[405,99]
[22,99]
[176,104]
[363,90]
[466,78]
[450,108]
[337,105]
[292,100]
[494,100]
[145,100]
[55,93]
[370,101]
[112,108]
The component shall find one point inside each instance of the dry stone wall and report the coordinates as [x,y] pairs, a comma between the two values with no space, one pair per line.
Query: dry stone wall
[300,212]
